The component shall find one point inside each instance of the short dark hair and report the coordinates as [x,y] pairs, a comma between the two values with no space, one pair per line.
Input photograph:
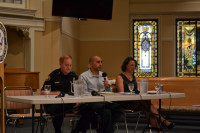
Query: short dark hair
[126,61]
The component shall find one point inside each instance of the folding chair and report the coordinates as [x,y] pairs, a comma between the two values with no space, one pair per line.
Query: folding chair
[11,108]
[73,118]
[130,112]
[45,119]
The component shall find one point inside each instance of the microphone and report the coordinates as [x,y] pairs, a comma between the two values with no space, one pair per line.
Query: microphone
[94,93]
[62,94]
[104,75]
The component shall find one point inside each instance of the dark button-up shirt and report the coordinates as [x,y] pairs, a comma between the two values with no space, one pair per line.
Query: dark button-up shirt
[59,81]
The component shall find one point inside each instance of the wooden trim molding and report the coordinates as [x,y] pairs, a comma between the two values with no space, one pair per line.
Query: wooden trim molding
[23,22]
[21,17]
[17,11]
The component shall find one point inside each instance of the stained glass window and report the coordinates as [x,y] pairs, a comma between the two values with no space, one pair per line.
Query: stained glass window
[188,48]
[145,47]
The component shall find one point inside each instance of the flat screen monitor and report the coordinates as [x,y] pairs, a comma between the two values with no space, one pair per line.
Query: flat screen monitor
[88,9]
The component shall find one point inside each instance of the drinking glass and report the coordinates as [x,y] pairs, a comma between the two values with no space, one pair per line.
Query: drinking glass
[78,88]
[47,89]
[131,87]
[157,87]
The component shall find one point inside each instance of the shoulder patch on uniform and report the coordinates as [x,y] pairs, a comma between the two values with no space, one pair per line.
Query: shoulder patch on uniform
[48,78]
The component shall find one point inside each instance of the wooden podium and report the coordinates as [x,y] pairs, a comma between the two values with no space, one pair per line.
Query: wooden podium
[3,53]
[2,97]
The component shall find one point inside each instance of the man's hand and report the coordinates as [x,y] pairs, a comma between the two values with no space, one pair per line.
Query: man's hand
[106,84]
[77,105]
[76,108]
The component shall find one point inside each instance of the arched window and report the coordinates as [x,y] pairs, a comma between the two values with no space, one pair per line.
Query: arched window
[188,48]
[145,47]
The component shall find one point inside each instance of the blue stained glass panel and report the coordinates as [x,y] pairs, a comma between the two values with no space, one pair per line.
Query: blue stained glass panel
[145,49]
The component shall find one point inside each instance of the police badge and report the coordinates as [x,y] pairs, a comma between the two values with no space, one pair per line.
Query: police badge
[3,42]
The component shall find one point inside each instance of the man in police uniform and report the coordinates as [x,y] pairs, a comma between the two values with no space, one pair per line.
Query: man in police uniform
[60,81]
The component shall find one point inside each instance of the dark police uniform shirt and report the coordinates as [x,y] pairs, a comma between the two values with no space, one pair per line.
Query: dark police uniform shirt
[59,81]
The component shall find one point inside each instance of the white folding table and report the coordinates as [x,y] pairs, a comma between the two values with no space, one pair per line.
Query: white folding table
[42,99]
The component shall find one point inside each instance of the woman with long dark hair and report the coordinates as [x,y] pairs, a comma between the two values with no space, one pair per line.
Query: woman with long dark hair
[122,81]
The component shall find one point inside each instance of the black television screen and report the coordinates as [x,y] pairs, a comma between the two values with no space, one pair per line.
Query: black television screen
[93,9]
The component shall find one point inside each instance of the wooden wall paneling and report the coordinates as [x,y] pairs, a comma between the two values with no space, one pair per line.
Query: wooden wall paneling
[189,86]
[20,77]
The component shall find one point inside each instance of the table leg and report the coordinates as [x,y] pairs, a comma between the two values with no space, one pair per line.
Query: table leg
[41,119]
[159,110]
[33,118]
[148,111]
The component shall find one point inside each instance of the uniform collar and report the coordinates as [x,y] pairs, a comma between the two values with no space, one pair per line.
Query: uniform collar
[60,72]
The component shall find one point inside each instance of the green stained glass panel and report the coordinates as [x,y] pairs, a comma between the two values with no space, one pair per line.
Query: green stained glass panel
[188,34]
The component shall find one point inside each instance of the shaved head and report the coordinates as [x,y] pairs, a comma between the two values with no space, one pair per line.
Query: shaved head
[95,64]
[91,59]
